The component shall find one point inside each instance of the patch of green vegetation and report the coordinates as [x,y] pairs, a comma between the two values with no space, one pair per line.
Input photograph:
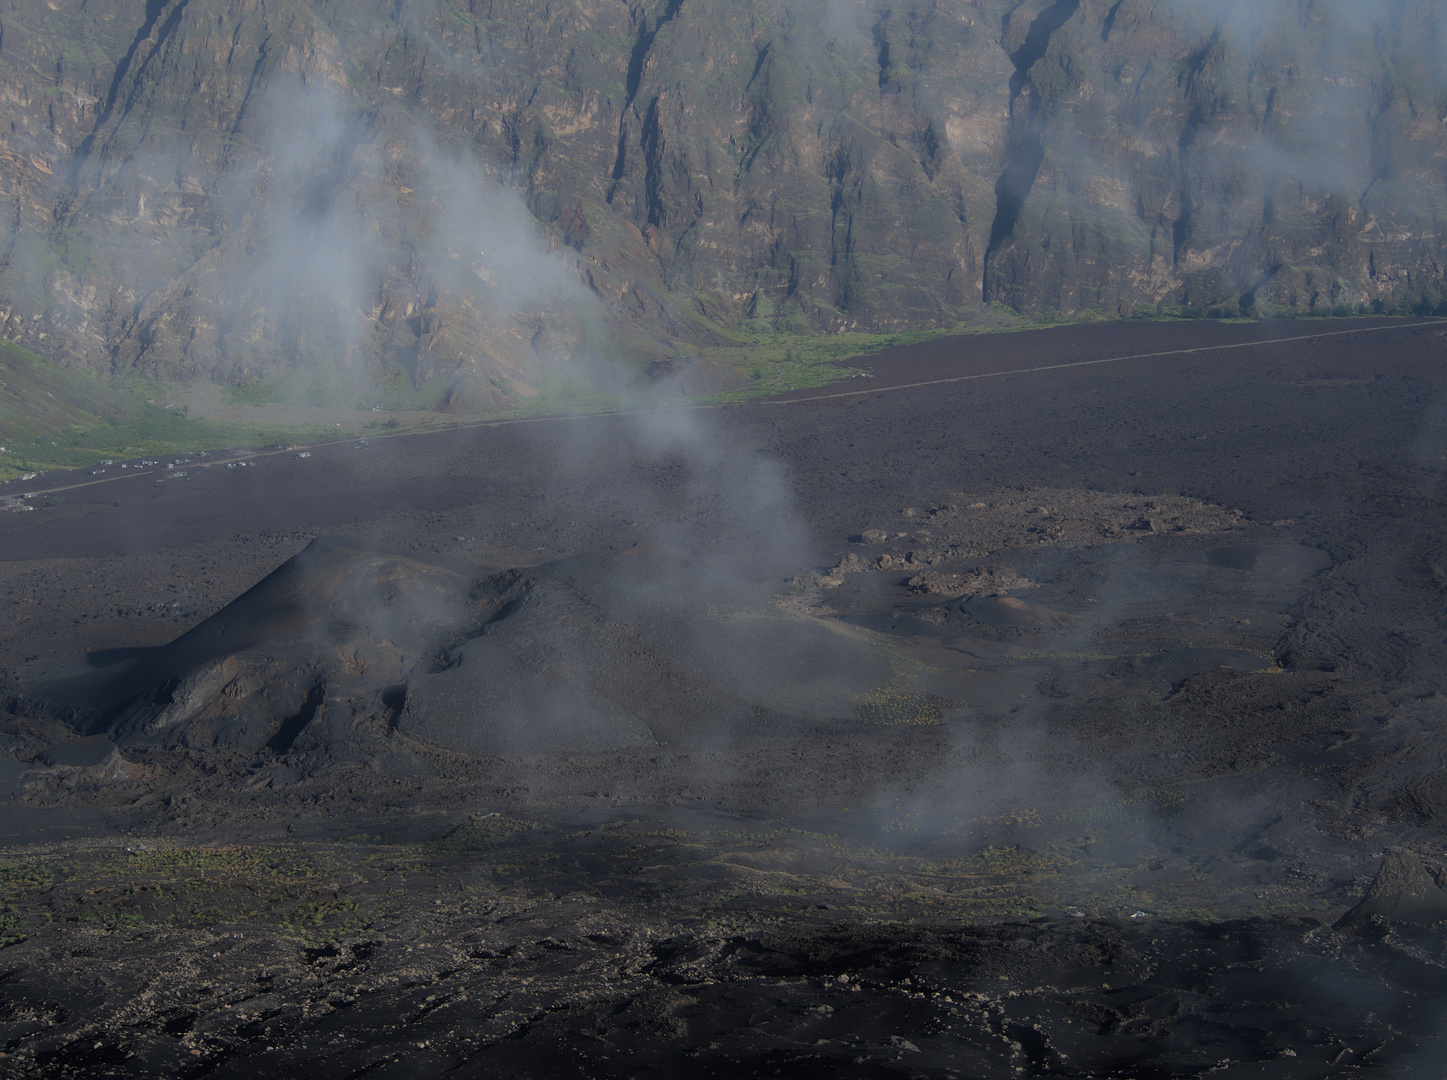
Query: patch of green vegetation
[561,394]
[54,418]
[778,361]
[1087,655]
[1235,309]
[464,18]
[904,666]
[897,703]
[482,832]
[1013,859]
[257,393]
[389,388]
[300,890]
[19,883]
[39,398]
[20,877]
[1138,806]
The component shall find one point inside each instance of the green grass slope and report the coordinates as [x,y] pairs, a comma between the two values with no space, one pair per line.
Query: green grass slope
[54,418]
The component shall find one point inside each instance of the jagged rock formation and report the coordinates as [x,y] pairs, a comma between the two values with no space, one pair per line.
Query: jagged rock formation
[473,191]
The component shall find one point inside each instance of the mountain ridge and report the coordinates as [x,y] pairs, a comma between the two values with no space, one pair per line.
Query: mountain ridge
[494,194]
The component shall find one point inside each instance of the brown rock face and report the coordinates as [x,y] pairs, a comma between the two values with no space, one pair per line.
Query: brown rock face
[1277,157]
[476,192]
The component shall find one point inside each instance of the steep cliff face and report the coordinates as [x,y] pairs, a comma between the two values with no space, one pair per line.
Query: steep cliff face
[1222,155]
[478,191]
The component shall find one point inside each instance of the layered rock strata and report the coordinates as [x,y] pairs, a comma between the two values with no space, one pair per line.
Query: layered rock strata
[480,194]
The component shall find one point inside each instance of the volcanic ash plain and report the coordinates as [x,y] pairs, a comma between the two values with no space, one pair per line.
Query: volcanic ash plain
[1082,722]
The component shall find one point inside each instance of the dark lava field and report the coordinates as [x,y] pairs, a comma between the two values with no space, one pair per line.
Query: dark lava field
[1060,703]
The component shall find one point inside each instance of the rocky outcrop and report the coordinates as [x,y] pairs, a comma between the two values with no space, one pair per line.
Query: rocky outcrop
[481,193]
[1402,892]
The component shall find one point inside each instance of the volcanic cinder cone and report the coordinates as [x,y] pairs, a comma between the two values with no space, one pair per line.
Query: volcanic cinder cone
[595,652]
[1402,892]
[339,619]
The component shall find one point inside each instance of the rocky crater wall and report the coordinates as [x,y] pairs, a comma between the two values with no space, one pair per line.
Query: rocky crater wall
[476,191]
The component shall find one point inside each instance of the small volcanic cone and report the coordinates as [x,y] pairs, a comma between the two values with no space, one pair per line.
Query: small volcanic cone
[1402,892]
[589,653]
[339,612]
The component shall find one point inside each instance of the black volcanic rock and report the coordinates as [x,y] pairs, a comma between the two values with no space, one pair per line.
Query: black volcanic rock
[599,652]
[1402,892]
[340,619]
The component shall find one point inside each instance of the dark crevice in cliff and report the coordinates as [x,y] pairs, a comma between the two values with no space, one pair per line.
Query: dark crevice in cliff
[256,70]
[1181,227]
[652,145]
[292,726]
[882,57]
[636,62]
[840,168]
[168,28]
[1109,23]
[622,159]
[931,150]
[1028,149]
[641,47]
[1037,40]
[1197,60]
[1014,185]
[1270,175]
[1248,298]
[319,192]
[1381,159]
[12,237]
[154,10]
[758,66]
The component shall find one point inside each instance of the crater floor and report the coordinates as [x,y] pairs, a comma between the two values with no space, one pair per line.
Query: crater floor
[965,719]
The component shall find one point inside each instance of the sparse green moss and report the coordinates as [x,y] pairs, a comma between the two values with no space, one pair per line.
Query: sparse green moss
[895,703]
